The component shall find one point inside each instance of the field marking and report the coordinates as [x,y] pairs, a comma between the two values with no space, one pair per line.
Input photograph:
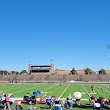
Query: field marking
[6,89]
[64,90]
[24,90]
[48,88]
[86,90]
[34,87]
[105,89]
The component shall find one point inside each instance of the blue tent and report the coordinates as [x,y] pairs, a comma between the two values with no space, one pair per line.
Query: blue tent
[36,93]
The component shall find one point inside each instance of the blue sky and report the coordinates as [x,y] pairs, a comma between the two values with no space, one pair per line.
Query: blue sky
[71,33]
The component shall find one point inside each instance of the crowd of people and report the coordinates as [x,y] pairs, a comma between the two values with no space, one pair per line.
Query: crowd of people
[57,104]
[54,103]
[99,103]
[7,103]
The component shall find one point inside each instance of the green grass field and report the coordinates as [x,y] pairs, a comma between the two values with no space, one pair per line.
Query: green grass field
[19,90]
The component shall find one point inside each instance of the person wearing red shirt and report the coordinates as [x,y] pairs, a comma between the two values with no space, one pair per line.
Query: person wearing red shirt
[7,102]
[92,86]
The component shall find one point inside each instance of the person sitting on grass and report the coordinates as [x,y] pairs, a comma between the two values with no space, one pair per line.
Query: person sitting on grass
[69,101]
[57,107]
[78,101]
[96,106]
[26,98]
[27,94]
[57,101]
[107,105]
[53,98]
[30,107]
[48,101]
[92,99]
[44,96]
[69,97]
[33,99]
[63,104]
[19,106]
[41,99]
[102,101]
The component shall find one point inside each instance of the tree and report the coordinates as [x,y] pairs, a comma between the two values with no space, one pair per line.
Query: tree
[17,72]
[73,71]
[23,72]
[102,71]
[14,72]
[3,72]
[88,71]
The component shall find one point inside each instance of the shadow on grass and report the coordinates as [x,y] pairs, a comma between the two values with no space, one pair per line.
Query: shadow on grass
[87,106]
[74,106]
[45,108]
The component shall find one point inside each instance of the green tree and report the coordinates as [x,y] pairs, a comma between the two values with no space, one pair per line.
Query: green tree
[14,72]
[73,71]
[88,71]
[23,72]
[4,72]
[17,72]
[102,71]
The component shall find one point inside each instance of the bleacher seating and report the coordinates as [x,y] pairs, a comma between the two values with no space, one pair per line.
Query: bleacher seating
[7,78]
[104,78]
[73,77]
[23,77]
[54,78]
[92,77]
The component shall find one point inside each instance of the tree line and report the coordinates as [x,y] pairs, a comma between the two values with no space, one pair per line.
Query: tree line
[88,71]
[5,72]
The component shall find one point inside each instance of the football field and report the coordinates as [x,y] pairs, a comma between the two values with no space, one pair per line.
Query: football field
[59,90]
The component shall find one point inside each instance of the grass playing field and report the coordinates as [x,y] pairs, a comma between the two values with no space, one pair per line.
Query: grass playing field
[19,90]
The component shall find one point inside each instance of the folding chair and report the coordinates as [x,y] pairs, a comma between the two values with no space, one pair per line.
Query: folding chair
[26,98]
[48,102]
[57,107]
[33,99]
[69,104]
[18,107]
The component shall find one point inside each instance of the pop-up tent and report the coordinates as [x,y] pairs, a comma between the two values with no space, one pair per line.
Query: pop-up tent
[36,93]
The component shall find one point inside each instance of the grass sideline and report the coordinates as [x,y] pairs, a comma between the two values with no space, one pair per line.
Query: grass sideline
[20,89]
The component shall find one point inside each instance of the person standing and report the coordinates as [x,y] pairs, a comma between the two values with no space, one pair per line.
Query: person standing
[7,102]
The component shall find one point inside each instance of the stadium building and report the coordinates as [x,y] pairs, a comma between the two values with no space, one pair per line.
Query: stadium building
[41,69]
[50,70]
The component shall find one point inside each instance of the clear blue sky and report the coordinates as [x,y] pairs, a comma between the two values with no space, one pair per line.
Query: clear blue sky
[71,33]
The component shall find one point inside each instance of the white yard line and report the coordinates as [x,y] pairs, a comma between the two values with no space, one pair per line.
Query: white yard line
[12,88]
[86,91]
[32,88]
[6,89]
[105,89]
[49,88]
[64,91]
[25,89]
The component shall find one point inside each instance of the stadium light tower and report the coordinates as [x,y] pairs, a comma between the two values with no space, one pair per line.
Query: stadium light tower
[51,61]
